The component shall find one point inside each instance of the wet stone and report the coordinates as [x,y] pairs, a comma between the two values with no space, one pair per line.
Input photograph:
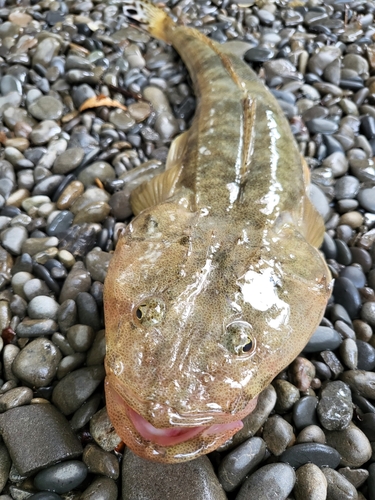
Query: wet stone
[355,476]
[61,478]
[122,120]
[18,396]
[349,353]
[37,362]
[311,434]
[83,415]
[194,480]
[103,431]
[335,408]
[46,108]
[273,480]
[102,488]
[100,169]
[76,387]
[100,462]
[366,198]
[36,327]
[96,354]
[44,132]
[368,313]
[240,462]
[34,428]
[68,160]
[355,275]
[366,356]
[78,280]
[304,412]
[287,395]
[344,256]
[13,239]
[316,453]
[42,307]
[80,337]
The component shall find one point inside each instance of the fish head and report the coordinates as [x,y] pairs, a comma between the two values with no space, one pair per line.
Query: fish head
[199,319]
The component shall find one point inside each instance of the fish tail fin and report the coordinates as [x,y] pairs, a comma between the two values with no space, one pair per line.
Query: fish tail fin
[155,20]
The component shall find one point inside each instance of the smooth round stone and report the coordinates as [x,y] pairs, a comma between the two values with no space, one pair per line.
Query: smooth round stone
[349,353]
[103,431]
[45,495]
[316,453]
[60,223]
[13,115]
[329,247]
[46,50]
[70,194]
[36,327]
[122,120]
[42,307]
[61,478]
[352,444]
[335,408]
[91,195]
[95,212]
[13,239]
[277,434]
[78,280]
[270,481]
[44,132]
[84,414]
[46,108]
[360,381]
[102,488]
[304,412]
[99,169]
[13,398]
[362,257]
[338,487]
[69,364]
[344,256]
[68,160]
[10,84]
[355,275]
[368,313]
[157,98]
[287,395]
[362,330]
[96,354]
[87,309]
[319,201]
[366,424]
[346,294]
[80,337]
[311,434]
[76,387]
[100,462]
[322,126]
[240,462]
[366,356]
[258,54]
[35,287]
[355,476]
[324,338]
[166,125]
[346,187]
[366,198]
[97,263]
[311,483]
[139,111]
[37,362]
[36,245]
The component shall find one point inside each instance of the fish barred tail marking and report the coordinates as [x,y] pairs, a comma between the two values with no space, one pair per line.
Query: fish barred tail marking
[156,21]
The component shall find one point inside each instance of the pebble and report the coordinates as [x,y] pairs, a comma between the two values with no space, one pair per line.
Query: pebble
[237,464]
[323,338]
[311,483]
[270,481]
[304,412]
[100,462]
[339,488]
[36,364]
[352,444]
[335,408]
[18,396]
[61,478]
[316,453]
[194,480]
[277,434]
[42,424]
[102,488]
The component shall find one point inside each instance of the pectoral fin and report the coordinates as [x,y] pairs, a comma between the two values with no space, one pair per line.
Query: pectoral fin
[155,191]
[177,150]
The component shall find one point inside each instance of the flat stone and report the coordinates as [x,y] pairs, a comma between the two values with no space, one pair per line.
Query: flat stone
[338,487]
[323,338]
[62,477]
[352,444]
[34,428]
[316,453]
[145,480]
[102,488]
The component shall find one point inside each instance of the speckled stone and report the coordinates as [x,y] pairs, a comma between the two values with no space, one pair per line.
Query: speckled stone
[145,480]
[311,483]
[270,481]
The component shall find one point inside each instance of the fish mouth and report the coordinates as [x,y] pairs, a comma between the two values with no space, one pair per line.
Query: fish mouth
[170,436]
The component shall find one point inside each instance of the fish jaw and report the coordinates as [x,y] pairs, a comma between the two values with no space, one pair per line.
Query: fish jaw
[167,444]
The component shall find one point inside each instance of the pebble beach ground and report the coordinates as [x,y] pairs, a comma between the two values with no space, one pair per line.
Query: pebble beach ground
[88,107]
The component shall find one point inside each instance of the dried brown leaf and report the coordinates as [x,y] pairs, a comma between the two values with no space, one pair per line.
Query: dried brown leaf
[101,100]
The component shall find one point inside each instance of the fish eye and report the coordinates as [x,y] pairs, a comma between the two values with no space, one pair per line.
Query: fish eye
[150,312]
[240,338]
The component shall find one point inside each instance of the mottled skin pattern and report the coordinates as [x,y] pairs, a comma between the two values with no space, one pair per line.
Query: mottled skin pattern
[230,245]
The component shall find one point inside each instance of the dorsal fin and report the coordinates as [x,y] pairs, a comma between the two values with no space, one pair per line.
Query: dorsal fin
[249,110]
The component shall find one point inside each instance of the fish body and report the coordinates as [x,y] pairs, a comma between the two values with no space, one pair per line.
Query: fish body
[217,283]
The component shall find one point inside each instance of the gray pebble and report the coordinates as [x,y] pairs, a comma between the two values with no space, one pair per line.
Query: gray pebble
[352,444]
[18,396]
[319,454]
[78,280]
[34,428]
[13,238]
[269,482]
[323,338]
[368,313]
[70,363]
[5,464]
[366,198]
[37,362]
[68,160]
[366,356]
[346,187]
[46,108]
[335,408]
[44,132]
[349,353]
[71,391]
[80,337]
[194,480]
[42,307]
[102,488]
[355,476]
[304,412]
[121,120]
[103,431]
[83,415]
[355,275]
[311,434]
[237,464]
[96,354]
[61,478]
[97,170]
[34,287]
[287,395]
[36,327]
[277,434]
[319,201]
[339,488]
[97,263]
[100,462]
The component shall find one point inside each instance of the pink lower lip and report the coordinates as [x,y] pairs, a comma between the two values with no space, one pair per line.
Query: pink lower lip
[174,435]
